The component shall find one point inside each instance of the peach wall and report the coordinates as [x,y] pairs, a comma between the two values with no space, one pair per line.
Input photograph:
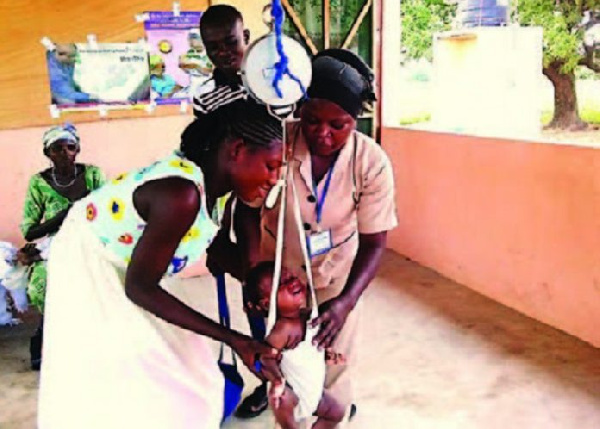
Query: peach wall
[516,221]
[113,145]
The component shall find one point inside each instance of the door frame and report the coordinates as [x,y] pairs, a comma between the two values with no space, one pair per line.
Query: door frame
[376,50]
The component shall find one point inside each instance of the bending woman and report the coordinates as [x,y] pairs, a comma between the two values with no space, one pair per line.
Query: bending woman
[346,195]
[50,195]
[122,350]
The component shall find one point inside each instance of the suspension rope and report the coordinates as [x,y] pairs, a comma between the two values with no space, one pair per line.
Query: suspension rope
[281,66]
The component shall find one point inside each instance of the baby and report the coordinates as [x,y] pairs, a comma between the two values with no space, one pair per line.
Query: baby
[302,364]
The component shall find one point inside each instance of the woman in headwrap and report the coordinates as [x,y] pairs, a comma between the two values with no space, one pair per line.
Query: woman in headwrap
[346,196]
[50,194]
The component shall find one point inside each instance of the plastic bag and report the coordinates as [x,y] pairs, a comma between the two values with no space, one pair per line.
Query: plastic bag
[13,281]
[16,278]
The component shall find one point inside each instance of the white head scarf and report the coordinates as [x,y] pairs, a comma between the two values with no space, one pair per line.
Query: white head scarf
[66,131]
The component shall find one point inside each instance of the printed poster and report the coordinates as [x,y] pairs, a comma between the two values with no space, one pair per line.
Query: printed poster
[84,75]
[178,60]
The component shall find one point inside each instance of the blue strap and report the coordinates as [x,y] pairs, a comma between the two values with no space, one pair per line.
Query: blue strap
[321,199]
[222,295]
[223,313]
[281,66]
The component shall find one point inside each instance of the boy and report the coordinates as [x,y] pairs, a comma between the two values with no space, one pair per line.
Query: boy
[302,364]
[225,40]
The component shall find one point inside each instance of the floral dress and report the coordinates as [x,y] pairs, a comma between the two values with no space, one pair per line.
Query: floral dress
[108,363]
[114,219]
[42,203]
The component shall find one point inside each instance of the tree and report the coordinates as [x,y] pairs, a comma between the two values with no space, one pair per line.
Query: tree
[420,20]
[566,46]
[569,41]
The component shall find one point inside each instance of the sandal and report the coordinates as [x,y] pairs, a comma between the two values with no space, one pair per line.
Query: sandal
[254,404]
[352,413]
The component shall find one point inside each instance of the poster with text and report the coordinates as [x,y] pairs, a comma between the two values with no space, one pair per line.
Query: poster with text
[86,75]
[178,60]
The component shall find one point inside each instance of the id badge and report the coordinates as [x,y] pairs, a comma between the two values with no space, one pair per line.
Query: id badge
[319,243]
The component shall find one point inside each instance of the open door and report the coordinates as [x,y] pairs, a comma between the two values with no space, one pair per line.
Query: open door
[349,24]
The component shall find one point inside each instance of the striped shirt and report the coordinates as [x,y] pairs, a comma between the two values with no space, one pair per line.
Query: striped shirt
[216,92]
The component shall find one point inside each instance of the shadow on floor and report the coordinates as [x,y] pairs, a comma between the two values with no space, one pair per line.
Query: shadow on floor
[476,318]
[433,354]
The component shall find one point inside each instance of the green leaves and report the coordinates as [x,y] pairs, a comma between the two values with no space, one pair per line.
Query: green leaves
[420,20]
[560,21]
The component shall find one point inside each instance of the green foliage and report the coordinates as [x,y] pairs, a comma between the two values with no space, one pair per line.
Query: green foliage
[420,20]
[589,115]
[343,13]
[583,73]
[560,20]
[415,119]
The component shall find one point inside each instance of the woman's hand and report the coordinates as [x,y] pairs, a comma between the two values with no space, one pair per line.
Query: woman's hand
[333,313]
[48,227]
[332,316]
[28,254]
[251,351]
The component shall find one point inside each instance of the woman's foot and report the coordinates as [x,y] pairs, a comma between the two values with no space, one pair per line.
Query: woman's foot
[254,404]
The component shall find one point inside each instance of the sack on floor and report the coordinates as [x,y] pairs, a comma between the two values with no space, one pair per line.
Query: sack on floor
[16,278]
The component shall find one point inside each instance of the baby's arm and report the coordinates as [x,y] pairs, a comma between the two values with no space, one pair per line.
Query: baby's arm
[278,337]
[286,334]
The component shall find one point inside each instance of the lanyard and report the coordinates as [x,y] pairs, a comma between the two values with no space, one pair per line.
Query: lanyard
[321,199]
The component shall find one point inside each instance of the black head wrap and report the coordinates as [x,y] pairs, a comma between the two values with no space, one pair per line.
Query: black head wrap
[343,78]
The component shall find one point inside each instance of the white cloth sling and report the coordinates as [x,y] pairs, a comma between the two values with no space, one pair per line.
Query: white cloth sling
[304,366]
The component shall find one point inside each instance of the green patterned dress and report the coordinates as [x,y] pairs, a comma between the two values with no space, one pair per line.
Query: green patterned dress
[42,203]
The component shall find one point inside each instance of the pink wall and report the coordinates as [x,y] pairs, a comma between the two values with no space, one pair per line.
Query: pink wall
[113,145]
[516,221]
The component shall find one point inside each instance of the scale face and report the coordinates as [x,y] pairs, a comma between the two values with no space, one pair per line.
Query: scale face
[258,70]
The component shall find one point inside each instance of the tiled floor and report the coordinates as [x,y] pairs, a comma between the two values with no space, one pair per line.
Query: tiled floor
[434,355]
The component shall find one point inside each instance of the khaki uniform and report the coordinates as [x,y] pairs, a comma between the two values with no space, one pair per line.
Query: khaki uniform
[360,200]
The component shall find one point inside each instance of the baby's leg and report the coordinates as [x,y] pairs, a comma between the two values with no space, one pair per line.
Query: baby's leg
[329,412]
[283,408]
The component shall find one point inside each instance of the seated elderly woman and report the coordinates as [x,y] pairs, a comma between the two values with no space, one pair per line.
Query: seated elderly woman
[50,194]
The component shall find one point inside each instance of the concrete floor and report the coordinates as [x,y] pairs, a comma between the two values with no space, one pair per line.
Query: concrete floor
[434,355]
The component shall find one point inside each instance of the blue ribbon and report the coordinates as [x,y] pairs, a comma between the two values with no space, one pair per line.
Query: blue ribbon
[281,66]
[222,298]
[321,199]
